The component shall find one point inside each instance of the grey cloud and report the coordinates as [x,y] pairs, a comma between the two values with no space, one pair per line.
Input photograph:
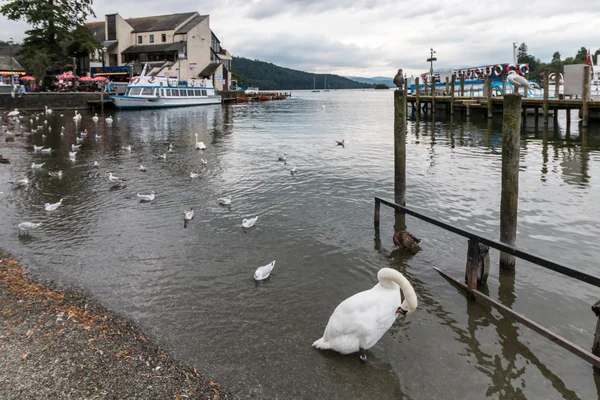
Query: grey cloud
[270,8]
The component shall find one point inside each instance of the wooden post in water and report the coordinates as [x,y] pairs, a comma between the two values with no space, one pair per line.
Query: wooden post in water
[102,102]
[447,86]
[377,213]
[433,95]
[490,106]
[399,147]
[503,84]
[478,265]
[557,86]
[485,81]
[509,199]
[585,113]
[452,95]
[417,100]
[546,94]
[596,345]
[462,85]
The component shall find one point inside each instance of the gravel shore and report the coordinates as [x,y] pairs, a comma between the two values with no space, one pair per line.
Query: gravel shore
[59,345]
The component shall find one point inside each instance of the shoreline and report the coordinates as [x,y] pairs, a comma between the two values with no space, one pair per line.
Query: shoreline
[60,344]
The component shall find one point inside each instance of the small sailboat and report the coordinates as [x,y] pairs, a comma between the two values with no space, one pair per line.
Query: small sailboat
[315,84]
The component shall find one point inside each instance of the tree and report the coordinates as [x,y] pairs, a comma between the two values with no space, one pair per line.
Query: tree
[581,55]
[38,64]
[56,24]
[556,57]
[522,55]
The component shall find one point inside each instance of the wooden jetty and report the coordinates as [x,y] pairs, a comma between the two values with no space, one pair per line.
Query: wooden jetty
[239,96]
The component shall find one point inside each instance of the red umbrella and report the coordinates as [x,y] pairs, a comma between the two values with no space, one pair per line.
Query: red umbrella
[85,79]
[27,78]
[67,76]
[100,78]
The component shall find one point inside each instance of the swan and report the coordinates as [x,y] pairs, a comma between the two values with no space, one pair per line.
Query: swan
[48,111]
[249,223]
[14,113]
[188,214]
[263,272]
[57,174]
[52,207]
[37,166]
[46,150]
[75,147]
[146,197]
[77,117]
[518,81]
[142,168]
[95,118]
[26,226]
[20,182]
[199,145]
[407,240]
[108,120]
[361,320]
[37,148]
[96,165]
[224,200]
[194,175]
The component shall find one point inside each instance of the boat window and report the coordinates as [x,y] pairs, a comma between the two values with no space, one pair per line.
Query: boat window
[162,92]
[197,92]
[203,92]
[135,91]
[168,92]
[175,92]
[147,91]
[190,92]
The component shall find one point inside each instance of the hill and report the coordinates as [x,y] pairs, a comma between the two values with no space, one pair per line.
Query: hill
[374,81]
[268,76]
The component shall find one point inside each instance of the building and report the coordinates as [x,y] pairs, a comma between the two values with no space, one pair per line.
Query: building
[176,45]
[10,69]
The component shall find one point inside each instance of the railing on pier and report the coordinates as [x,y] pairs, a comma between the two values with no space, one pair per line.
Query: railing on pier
[476,275]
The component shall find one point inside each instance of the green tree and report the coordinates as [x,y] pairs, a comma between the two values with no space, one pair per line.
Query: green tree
[581,55]
[39,64]
[56,25]
[522,55]
[556,57]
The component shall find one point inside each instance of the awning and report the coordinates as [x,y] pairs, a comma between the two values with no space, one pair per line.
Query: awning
[155,48]
[209,70]
[110,44]
[7,73]
[111,73]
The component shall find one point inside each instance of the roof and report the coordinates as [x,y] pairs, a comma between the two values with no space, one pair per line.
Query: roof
[209,70]
[109,44]
[154,48]
[159,22]
[8,50]
[5,64]
[191,24]
[97,30]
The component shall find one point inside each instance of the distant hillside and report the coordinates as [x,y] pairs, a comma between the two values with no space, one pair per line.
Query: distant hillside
[375,80]
[268,76]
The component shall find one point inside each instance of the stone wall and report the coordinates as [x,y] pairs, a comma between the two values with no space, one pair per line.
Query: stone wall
[54,101]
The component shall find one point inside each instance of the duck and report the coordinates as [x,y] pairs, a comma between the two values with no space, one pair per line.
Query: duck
[358,322]
[108,120]
[263,272]
[147,197]
[95,118]
[188,214]
[408,241]
[224,200]
[199,145]
[340,143]
[27,226]
[194,175]
[52,207]
[249,223]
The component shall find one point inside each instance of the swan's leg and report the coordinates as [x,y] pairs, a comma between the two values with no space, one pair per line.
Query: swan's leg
[363,354]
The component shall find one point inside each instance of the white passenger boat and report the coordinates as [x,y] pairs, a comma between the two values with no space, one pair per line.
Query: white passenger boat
[160,91]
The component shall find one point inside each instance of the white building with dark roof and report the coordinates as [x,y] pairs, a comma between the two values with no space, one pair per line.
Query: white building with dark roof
[177,45]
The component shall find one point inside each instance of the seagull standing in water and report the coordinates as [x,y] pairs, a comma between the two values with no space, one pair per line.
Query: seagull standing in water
[518,81]
[27,226]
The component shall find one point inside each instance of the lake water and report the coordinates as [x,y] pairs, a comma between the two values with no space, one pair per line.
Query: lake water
[191,287]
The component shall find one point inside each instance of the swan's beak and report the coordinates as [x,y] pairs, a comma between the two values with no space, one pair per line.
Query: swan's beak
[401,311]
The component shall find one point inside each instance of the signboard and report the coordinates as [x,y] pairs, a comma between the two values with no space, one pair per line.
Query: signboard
[573,80]
[193,65]
[181,56]
[124,70]
[219,77]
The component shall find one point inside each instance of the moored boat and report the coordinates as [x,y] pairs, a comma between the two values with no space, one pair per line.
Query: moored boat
[160,91]
[243,99]
[264,98]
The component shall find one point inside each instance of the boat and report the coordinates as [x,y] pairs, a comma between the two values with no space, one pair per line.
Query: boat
[242,99]
[265,98]
[252,91]
[315,84]
[161,91]
[326,90]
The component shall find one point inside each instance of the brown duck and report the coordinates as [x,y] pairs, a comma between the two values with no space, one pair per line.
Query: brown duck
[406,240]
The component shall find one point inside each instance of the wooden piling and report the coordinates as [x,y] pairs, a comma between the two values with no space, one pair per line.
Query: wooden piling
[399,147]
[433,95]
[447,86]
[509,199]
[462,85]
[452,95]
[478,265]
[596,345]
[568,111]
[490,107]
[417,100]
[546,94]
[377,213]
[585,113]
[557,86]
[503,84]
[102,102]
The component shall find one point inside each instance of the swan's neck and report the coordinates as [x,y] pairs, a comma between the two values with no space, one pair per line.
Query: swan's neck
[389,278]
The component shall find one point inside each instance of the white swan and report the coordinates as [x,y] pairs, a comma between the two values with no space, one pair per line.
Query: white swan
[199,145]
[146,197]
[263,272]
[249,223]
[108,120]
[14,113]
[95,118]
[37,148]
[142,168]
[26,226]
[77,116]
[361,320]
[224,200]
[46,150]
[48,111]
[52,207]
[188,214]
[194,175]
[37,166]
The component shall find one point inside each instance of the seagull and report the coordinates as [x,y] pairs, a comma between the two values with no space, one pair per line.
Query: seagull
[84,133]
[36,166]
[146,197]
[21,182]
[142,168]
[518,81]
[170,147]
[127,148]
[96,165]
[72,155]
[293,170]
[263,272]
[52,207]
[203,161]
[37,148]
[224,200]
[108,120]
[75,147]
[283,158]
[14,113]
[57,174]
[163,156]
[399,79]
[46,150]
[340,143]
[95,118]
[98,137]
[194,175]
[249,223]
[114,179]
[188,214]
[26,226]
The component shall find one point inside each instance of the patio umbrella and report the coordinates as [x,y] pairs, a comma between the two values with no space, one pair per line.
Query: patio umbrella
[27,78]
[100,78]
[67,76]
[86,79]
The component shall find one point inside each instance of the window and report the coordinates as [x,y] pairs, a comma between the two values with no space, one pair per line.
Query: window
[204,93]
[135,91]
[148,91]
[175,92]
[190,92]
[163,37]
[197,92]
[151,38]
[168,92]
[139,39]
[162,92]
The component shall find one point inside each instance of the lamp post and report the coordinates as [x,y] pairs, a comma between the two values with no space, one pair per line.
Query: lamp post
[103,52]
[10,43]
[430,60]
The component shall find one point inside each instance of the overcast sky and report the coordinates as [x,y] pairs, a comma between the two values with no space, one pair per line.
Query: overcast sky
[376,37]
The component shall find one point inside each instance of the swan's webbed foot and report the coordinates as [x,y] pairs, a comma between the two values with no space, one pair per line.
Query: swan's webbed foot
[363,354]
[400,310]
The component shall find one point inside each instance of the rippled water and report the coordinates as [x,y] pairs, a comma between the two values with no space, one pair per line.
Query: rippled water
[191,286]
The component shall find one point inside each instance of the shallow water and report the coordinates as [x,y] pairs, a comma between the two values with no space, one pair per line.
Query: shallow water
[191,286]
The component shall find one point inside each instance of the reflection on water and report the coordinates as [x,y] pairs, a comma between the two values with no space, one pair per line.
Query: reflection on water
[190,284]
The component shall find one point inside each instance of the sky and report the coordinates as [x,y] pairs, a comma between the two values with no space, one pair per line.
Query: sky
[376,37]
